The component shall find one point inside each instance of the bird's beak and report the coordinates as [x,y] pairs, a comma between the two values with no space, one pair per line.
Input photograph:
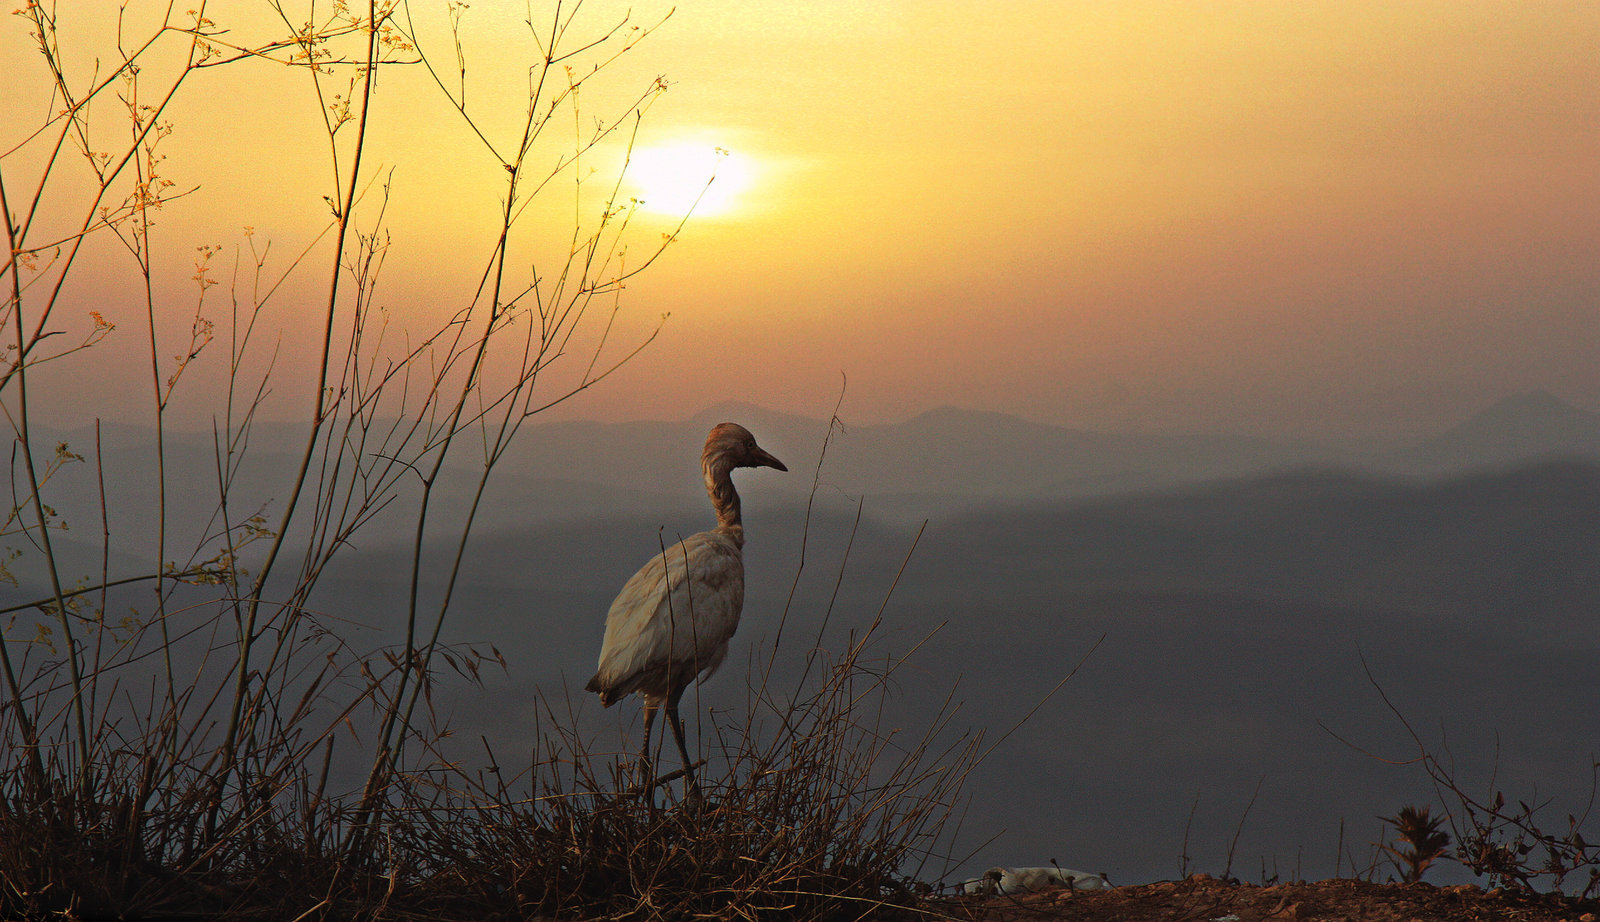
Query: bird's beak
[763,459]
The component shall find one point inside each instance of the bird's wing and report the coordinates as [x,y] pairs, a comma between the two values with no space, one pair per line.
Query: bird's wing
[677,612]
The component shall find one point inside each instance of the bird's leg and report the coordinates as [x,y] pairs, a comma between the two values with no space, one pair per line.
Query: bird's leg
[647,779]
[691,788]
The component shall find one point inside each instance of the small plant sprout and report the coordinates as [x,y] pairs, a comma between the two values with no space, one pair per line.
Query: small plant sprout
[1424,840]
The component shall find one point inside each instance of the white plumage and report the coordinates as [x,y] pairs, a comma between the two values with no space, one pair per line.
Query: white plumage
[673,619]
[680,609]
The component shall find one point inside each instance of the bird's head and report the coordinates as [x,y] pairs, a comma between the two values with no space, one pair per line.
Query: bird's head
[736,447]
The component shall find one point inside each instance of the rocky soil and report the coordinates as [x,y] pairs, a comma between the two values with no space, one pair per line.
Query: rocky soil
[1203,898]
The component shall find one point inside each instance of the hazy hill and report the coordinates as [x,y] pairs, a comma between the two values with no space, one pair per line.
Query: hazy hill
[1325,537]
[952,458]
[942,462]
[1235,617]
[1519,428]
[949,458]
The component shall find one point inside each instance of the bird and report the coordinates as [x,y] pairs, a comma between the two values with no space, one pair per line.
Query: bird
[671,623]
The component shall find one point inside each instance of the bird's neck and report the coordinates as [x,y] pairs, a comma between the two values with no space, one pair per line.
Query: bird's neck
[724,498]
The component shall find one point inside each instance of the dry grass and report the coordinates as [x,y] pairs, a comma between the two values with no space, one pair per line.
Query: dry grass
[809,809]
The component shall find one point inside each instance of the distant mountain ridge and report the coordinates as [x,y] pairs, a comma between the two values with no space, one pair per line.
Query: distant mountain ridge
[941,462]
[949,458]
[1517,429]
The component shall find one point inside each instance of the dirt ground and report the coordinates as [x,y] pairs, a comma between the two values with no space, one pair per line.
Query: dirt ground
[1203,898]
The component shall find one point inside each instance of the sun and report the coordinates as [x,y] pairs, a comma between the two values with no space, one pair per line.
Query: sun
[672,179]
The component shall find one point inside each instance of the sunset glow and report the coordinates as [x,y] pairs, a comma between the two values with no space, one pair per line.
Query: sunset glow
[677,179]
[1289,218]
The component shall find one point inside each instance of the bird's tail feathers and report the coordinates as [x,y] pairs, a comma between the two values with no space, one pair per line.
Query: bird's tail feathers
[608,696]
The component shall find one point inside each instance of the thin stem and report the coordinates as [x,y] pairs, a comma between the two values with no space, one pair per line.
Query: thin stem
[319,413]
[24,439]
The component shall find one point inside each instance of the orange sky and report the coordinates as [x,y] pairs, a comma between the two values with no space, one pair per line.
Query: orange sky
[1298,218]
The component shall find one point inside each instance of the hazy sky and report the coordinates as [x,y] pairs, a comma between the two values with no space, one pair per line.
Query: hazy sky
[1274,217]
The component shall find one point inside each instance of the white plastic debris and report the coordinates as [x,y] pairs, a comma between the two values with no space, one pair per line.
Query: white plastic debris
[1022,880]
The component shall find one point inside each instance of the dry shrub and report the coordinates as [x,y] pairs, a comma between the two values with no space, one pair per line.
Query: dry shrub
[809,807]
[169,697]
[151,824]
[1512,843]
[811,804]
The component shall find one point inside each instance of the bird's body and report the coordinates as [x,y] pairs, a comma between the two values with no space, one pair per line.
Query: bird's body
[672,621]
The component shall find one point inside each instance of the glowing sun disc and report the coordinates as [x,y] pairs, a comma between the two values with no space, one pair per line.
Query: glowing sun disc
[668,180]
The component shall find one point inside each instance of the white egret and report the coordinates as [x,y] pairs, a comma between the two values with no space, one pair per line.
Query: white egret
[672,621]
